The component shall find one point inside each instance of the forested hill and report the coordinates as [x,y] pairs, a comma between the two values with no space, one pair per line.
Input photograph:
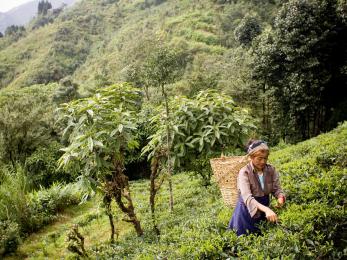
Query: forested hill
[98,41]
[106,92]
[270,55]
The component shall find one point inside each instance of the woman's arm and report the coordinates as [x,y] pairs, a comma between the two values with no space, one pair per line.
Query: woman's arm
[250,201]
[270,215]
[246,194]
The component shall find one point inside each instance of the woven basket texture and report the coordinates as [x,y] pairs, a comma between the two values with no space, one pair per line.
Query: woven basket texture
[225,171]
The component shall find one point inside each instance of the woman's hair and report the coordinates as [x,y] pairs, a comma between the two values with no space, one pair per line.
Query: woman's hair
[250,141]
[253,146]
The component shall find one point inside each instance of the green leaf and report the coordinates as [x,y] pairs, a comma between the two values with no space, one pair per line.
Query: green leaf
[217,134]
[90,112]
[189,145]
[90,144]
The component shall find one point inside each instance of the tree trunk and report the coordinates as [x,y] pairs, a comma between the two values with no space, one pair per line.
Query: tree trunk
[146,92]
[120,189]
[154,189]
[169,168]
[107,203]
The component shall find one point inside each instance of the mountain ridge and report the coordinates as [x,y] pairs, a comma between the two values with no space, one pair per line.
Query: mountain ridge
[22,14]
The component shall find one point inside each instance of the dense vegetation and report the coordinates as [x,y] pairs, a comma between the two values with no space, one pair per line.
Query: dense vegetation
[116,90]
[312,224]
[258,51]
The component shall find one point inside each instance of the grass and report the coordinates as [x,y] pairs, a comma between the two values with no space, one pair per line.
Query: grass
[49,242]
[190,200]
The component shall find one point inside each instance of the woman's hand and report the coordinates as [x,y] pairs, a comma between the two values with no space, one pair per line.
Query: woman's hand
[270,215]
[280,202]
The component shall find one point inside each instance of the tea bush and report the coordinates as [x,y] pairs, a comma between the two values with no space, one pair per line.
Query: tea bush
[312,224]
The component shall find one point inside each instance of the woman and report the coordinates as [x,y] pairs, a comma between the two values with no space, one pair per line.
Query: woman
[255,182]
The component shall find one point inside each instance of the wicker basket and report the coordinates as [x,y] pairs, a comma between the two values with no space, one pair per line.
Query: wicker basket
[225,170]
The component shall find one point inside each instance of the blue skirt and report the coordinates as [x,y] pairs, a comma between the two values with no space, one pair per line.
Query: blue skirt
[242,222]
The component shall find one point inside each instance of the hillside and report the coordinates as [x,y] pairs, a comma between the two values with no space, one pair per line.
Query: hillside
[256,51]
[313,224]
[97,42]
[22,14]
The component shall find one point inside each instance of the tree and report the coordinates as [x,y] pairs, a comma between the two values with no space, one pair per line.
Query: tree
[207,123]
[200,127]
[43,7]
[302,66]
[66,92]
[163,67]
[15,31]
[1,35]
[26,121]
[101,129]
[247,30]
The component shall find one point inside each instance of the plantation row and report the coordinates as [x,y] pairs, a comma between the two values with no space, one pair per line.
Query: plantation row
[312,224]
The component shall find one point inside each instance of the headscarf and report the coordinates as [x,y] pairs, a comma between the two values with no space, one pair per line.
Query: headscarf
[256,146]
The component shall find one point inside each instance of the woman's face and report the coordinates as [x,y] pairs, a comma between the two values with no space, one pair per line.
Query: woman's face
[259,159]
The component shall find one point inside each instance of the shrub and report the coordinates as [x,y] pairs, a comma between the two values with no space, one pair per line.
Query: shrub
[46,203]
[42,168]
[9,237]
[13,200]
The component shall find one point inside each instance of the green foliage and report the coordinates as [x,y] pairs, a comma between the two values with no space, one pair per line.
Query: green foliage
[342,9]
[205,75]
[309,226]
[247,30]
[43,205]
[23,212]
[26,121]
[41,21]
[13,189]
[305,231]
[67,52]
[238,14]
[164,66]
[42,166]
[15,31]
[190,231]
[300,77]
[9,237]
[200,127]
[100,129]
[315,174]
[32,210]
[149,3]
[66,92]
[301,66]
